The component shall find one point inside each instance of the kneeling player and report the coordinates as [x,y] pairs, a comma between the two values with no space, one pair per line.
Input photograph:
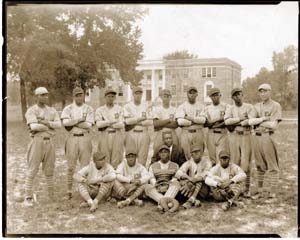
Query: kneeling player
[163,186]
[192,175]
[95,181]
[131,180]
[227,181]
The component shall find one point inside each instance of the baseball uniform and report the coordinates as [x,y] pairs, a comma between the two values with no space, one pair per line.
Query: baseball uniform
[111,138]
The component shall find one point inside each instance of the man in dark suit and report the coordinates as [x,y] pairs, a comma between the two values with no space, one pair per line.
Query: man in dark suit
[176,152]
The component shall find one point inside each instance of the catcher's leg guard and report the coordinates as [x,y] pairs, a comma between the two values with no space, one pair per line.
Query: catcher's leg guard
[119,191]
[138,192]
[151,192]
[173,189]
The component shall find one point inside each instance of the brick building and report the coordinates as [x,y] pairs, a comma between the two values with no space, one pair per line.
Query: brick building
[178,75]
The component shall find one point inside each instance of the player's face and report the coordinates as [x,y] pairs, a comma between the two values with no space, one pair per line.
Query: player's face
[43,98]
[110,98]
[192,95]
[264,94]
[131,159]
[164,155]
[238,98]
[99,163]
[166,99]
[216,98]
[197,155]
[224,161]
[137,96]
[168,140]
[79,99]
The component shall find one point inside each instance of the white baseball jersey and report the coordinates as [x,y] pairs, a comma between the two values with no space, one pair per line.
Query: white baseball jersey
[138,171]
[92,173]
[105,113]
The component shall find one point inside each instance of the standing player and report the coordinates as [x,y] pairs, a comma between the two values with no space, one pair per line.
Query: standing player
[226,180]
[217,133]
[42,121]
[137,120]
[163,183]
[268,115]
[95,181]
[189,118]
[78,118]
[192,175]
[237,118]
[164,120]
[109,120]
[131,180]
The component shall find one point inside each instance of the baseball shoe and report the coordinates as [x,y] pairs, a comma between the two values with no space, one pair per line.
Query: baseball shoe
[138,202]
[124,203]
[197,203]
[160,208]
[28,202]
[247,194]
[257,195]
[69,195]
[271,198]
[226,205]
[84,205]
[187,205]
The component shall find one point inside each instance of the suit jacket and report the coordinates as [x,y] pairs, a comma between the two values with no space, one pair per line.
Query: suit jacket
[177,155]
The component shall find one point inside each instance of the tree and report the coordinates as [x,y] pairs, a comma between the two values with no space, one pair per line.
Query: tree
[50,51]
[183,54]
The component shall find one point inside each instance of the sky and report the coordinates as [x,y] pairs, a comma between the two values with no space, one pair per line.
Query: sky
[246,34]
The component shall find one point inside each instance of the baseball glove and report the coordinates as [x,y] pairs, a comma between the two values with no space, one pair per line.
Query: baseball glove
[187,188]
[169,204]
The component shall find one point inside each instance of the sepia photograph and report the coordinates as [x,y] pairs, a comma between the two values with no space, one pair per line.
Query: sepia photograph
[142,119]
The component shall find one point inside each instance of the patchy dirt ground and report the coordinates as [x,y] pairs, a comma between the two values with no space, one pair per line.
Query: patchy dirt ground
[64,216]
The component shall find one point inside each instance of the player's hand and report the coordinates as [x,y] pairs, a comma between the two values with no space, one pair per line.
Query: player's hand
[44,122]
[189,118]
[113,121]
[225,184]
[266,119]
[245,122]
[136,182]
[82,119]
[84,180]
[94,207]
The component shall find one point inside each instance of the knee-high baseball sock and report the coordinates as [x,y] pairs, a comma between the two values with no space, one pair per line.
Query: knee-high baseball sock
[119,190]
[50,186]
[29,185]
[273,182]
[260,180]
[248,182]
[70,180]
[84,192]
[138,192]
[103,191]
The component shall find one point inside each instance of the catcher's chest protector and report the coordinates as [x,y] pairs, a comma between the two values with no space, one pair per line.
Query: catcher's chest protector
[166,174]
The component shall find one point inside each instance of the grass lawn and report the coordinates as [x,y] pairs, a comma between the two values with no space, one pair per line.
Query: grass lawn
[64,216]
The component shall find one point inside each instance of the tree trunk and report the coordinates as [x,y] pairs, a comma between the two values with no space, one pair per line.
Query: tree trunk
[63,103]
[23,98]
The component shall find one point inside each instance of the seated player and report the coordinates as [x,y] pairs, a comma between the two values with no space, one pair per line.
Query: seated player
[191,176]
[95,181]
[226,180]
[131,180]
[163,186]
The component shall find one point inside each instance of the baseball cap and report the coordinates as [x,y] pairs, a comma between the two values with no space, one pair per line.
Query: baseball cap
[77,90]
[40,90]
[235,90]
[98,156]
[137,89]
[165,92]
[192,88]
[131,151]
[264,86]
[109,90]
[163,147]
[195,148]
[212,91]
[223,154]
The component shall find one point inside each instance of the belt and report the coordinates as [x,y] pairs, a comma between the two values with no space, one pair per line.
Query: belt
[242,132]
[217,131]
[46,138]
[263,133]
[111,131]
[138,130]
[192,130]
[78,135]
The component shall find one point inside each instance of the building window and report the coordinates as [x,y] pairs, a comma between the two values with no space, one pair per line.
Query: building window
[120,91]
[185,88]
[214,71]
[160,76]
[203,72]
[173,89]
[148,95]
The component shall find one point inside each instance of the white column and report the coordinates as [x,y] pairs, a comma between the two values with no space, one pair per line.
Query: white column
[128,93]
[163,78]
[152,85]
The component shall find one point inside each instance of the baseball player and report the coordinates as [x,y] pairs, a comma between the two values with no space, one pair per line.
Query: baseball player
[192,175]
[217,133]
[42,121]
[162,181]
[109,120]
[95,181]
[176,152]
[78,118]
[164,120]
[237,118]
[137,120]
[189,118]
[131,180]
[268,115]
[226,180]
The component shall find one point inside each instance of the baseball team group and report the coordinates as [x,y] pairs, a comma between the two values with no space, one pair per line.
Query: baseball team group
[179,172]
